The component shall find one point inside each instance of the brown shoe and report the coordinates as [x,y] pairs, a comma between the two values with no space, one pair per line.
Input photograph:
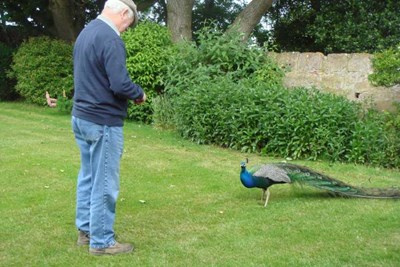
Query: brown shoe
[83,239]
[117,248]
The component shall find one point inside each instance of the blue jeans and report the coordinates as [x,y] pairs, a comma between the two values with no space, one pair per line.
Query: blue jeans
[101,149]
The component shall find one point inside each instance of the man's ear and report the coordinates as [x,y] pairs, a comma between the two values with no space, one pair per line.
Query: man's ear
[125,12]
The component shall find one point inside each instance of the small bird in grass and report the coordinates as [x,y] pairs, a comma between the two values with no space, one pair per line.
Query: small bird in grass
[265,175]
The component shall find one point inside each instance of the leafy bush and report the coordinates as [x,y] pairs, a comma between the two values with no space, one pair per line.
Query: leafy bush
[64,104]
[234,97]
[375,139]
[218,55]
[42,64]
[148,50]
[296,123]
[7,90]
[386,66]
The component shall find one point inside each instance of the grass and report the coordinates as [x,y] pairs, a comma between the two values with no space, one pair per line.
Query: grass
[195,211]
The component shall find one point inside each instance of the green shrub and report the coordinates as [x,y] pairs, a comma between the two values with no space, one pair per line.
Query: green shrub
[7,90]
[218,55]
[376,140]
[64,104]
[296,123]
[386,66]
[148,50]
[223,92]
[42,64]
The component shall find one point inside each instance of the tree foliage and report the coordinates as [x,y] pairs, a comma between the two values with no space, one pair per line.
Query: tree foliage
[219,13]
[55,18]
[335,26]
[44,17]
[290,20]
[64,19]
[7,91]
[357,26]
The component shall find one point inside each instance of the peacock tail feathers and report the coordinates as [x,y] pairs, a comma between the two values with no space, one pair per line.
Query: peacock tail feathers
[309,177]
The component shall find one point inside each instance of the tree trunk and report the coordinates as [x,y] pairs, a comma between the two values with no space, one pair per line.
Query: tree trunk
[62,13]
[179,13]
[68,16]
[247,20]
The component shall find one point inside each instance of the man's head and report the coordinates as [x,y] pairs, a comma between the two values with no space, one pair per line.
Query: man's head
[122,12]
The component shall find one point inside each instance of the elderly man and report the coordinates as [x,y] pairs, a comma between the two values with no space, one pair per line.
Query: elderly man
[102,89]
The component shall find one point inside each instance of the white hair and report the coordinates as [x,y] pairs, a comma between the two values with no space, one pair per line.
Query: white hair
[117,6]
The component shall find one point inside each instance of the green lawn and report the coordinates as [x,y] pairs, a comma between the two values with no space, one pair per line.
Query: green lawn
[195,210]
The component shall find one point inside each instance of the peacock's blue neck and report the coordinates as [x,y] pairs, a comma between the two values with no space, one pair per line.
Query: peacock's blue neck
[246,178]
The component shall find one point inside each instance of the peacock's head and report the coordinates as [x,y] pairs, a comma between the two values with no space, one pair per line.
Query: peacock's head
[243,163]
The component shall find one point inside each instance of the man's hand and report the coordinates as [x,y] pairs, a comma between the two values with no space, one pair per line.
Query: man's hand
[140,100]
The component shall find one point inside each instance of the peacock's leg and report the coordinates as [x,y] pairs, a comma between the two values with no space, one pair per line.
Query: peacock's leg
[266,200]
[263,195]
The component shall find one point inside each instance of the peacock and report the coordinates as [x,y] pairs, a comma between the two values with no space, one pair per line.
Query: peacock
[265,175]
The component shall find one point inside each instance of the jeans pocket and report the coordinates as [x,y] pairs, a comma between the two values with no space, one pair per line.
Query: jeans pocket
[89,131]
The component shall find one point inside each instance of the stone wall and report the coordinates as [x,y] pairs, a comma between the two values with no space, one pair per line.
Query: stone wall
[343,74]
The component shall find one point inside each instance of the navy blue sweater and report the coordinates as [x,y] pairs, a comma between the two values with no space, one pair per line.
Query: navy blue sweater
[101,80]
